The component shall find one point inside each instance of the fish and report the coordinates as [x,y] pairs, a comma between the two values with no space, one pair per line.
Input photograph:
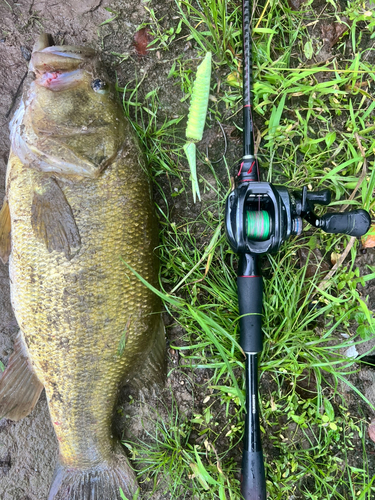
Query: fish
[77,223]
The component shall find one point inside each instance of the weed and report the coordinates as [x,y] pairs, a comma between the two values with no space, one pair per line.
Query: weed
[135,496]
[316,127]
[162,38]
[166,452]
[107,21]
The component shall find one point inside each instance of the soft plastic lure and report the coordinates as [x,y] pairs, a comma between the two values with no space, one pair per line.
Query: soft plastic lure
[197,118]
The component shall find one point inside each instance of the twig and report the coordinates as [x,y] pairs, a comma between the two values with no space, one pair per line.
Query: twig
[262,14]
[363,174]
[16,95]
[343,256]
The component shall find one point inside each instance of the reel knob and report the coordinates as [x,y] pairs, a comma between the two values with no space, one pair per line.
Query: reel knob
[354,223]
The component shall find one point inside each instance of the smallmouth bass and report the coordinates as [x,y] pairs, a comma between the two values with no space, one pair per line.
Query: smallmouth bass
[78,199]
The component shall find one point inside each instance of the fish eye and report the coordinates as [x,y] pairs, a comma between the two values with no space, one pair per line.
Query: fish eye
[99,86]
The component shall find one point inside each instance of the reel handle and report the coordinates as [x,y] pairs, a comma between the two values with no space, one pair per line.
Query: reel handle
[322,197]
[354,223]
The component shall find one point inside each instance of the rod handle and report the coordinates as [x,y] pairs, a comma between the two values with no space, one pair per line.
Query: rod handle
[354,223]
[250,296]
[253,478]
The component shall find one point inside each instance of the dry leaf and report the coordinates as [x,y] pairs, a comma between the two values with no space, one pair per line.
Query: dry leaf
[334,258]
[141,41]
[314,261]
[371,430]
[331,33]
[368,240]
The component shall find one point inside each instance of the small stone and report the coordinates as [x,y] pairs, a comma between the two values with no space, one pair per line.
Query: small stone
[25,53]
[351,352]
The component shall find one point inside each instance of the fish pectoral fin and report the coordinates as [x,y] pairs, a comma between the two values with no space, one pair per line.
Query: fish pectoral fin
[19,386]
[5,228]
[52,219]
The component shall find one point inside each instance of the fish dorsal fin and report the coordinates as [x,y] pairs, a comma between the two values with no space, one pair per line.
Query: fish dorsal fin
[52,219]
[5,228]
[19,386]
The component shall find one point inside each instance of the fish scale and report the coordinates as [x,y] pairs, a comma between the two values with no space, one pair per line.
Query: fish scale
[103,313]
[87,323]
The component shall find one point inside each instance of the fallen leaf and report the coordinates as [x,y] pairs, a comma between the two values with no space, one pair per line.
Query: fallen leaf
[368,240]
[234,79]
[331,33]
[334,257]
[142,39]
[371,430]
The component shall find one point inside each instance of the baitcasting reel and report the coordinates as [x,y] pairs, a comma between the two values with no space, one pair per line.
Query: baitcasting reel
[260,216]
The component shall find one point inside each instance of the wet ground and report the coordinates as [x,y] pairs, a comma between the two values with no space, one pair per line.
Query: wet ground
[28,448]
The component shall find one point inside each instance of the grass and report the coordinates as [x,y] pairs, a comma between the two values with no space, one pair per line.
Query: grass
[167,452]
[315,119]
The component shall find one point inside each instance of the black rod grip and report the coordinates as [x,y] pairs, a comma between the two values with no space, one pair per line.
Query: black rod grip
[354,223]
[250,296]
[253,480]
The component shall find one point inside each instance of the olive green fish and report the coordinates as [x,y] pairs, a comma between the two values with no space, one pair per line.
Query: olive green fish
[78,199]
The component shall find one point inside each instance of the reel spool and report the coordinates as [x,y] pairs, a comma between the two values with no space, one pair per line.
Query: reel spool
[258,225]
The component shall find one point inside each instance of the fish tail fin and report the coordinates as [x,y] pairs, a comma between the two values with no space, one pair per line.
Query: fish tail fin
[102,482]
[19,386]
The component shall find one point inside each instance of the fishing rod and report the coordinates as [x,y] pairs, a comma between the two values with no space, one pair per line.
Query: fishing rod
[259,218]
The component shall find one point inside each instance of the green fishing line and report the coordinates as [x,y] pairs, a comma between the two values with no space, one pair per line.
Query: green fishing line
[258,225]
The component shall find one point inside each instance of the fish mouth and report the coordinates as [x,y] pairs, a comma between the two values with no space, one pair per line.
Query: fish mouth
[59,67]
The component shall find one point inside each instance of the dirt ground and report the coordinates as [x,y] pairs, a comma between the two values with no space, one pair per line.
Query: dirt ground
[28,448]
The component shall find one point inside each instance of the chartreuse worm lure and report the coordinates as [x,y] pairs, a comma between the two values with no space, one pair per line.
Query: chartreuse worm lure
[197,118]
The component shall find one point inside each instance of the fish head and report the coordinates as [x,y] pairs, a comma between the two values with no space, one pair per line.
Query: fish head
[71,121]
